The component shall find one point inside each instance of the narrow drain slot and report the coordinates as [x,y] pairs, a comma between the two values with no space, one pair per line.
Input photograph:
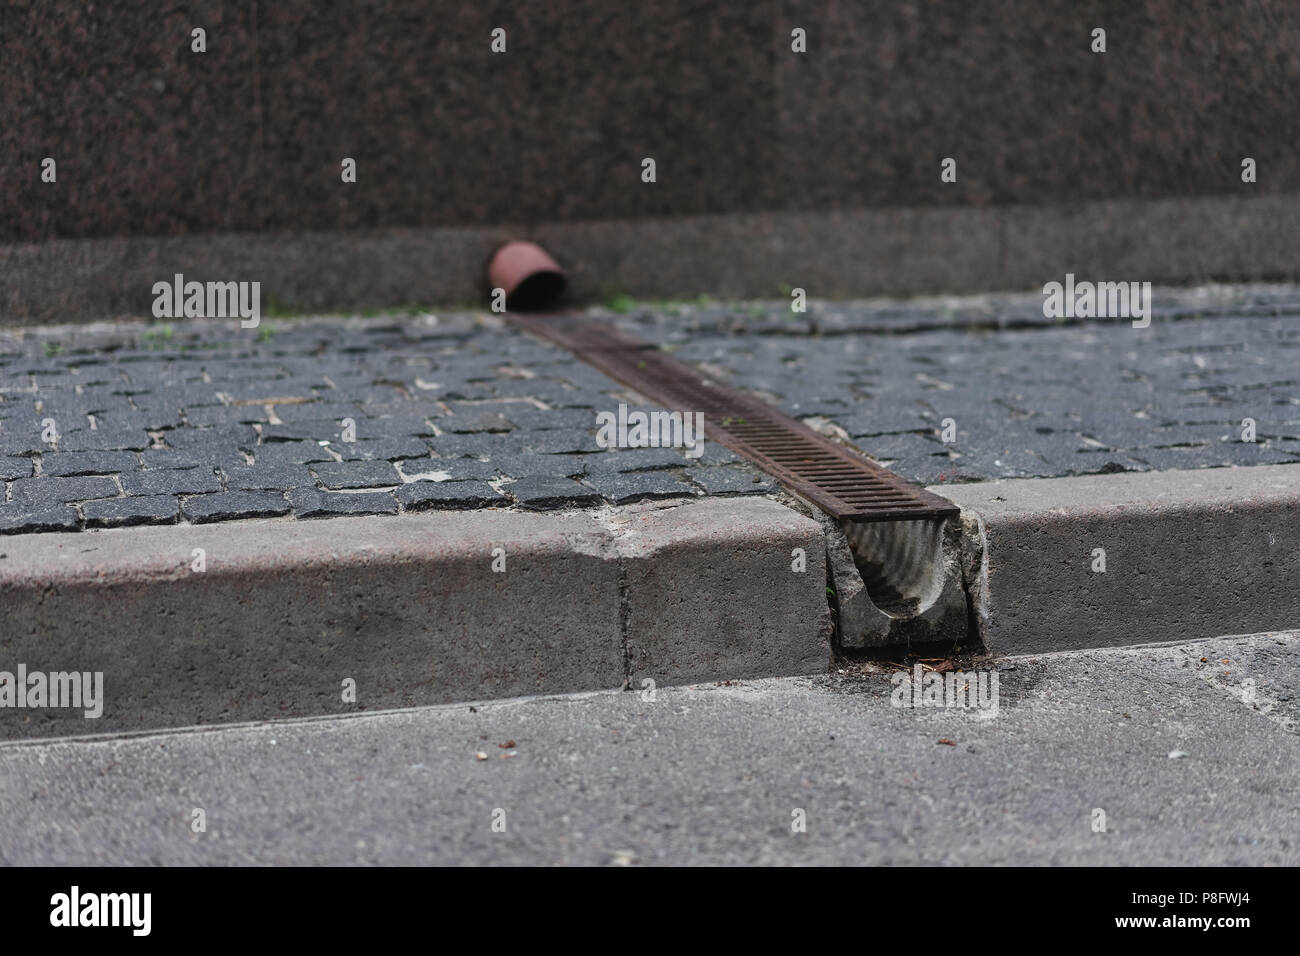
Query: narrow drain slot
[844,485]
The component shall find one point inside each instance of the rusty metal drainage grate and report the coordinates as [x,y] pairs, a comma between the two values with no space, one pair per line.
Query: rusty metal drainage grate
[843,484]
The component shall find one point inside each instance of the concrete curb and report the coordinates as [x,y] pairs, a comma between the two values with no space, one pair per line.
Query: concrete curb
[1187,554]
[409,608]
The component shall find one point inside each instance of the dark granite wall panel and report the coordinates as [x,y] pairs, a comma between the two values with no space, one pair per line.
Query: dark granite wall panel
[152,139]
[1012,90]
[148,138]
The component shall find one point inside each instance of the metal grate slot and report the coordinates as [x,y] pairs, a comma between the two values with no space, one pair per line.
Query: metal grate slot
[845,485]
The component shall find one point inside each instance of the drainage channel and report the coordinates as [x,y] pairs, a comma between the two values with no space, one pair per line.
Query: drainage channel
[897,580]
[844,485]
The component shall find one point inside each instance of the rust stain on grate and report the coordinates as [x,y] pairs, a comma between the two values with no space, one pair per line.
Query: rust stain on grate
[845,485]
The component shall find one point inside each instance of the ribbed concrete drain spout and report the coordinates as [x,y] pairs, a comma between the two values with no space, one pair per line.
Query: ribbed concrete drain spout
[900,584]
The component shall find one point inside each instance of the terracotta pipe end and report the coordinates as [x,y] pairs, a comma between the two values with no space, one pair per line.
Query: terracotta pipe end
[532,279]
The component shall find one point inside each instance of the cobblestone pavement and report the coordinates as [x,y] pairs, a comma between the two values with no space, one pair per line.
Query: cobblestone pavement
[206,421]
[1028,396]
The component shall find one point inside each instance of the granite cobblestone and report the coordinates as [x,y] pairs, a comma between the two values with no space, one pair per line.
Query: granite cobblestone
[206,422]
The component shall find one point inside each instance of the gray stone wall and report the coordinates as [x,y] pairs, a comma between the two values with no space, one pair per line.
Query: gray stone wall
[153,140]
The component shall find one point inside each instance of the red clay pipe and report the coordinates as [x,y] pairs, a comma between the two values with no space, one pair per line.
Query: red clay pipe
[532,280]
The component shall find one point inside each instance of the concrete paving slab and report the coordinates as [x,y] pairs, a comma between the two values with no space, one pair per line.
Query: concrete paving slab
[1076,767]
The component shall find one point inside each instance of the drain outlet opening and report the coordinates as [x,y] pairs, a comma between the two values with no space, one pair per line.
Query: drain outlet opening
[900,585]
[541,290]
[901,563]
